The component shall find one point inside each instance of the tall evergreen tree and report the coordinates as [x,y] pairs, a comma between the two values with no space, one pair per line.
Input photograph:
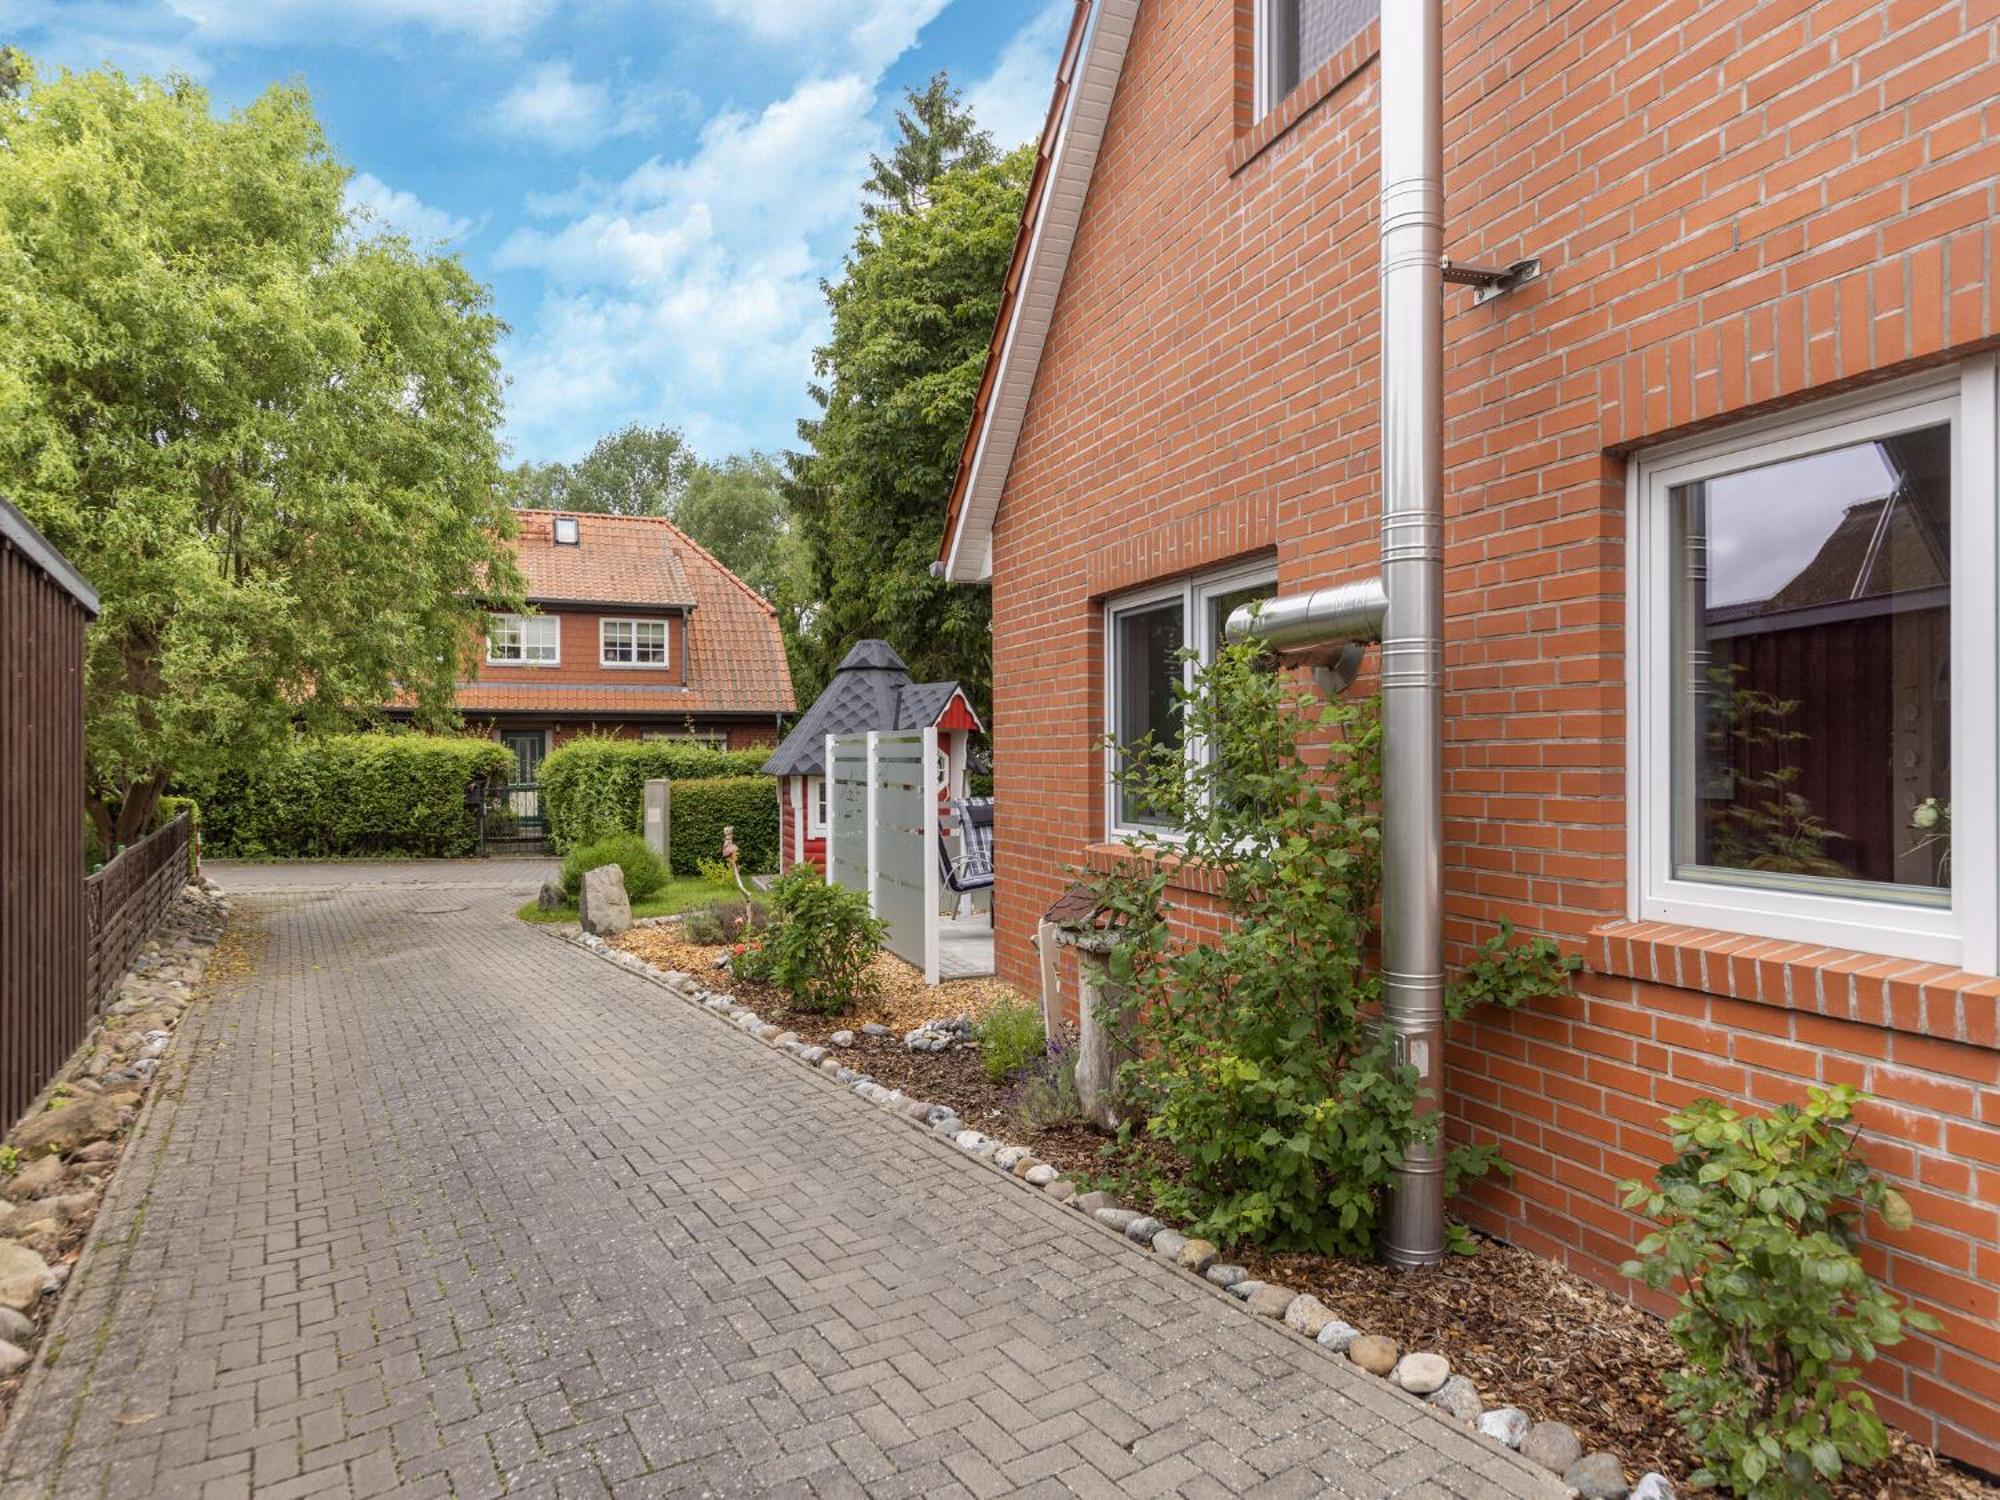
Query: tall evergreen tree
[912,314]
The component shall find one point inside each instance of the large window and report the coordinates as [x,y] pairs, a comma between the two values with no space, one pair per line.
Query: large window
[1296,36]
[632,643]
[523,641]
[1154,641]
[1814,660]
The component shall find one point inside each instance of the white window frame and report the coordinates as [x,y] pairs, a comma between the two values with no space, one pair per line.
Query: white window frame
[1960,932]
[528,628]
[815,794]
[1194,593]
[604,644]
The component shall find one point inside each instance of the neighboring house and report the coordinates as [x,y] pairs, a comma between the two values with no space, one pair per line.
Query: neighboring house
[1720,547]
[635,631]
[871,689]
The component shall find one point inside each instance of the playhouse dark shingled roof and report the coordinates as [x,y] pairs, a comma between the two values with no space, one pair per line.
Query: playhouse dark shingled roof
[871,689]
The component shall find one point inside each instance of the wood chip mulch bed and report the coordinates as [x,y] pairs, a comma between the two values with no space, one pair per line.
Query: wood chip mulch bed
[1527,1332]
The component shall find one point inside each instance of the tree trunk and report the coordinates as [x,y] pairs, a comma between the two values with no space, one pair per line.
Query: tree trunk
[137,811]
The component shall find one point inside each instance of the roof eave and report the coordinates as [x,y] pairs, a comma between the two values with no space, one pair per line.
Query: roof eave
[1079,111]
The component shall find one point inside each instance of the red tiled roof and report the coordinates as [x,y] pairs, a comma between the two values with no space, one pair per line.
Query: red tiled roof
[617,560]
[735,652]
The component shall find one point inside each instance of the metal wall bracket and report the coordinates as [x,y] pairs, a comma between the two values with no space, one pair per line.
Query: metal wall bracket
[1491,281]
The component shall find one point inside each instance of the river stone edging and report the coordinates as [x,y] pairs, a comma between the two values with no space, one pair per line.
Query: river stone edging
[1431,1381]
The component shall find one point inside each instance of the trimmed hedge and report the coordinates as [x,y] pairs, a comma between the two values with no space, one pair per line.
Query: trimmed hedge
[704,807]
[594,785]
[353,795]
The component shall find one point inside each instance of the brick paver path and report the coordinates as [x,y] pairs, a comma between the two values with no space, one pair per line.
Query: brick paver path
[434,1204]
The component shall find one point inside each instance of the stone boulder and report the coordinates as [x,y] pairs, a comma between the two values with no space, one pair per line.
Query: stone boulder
[1375,1354]
[37,1179]
[63,1130]
[23,1275]
[603,907]
[1553,1445]
[550,897]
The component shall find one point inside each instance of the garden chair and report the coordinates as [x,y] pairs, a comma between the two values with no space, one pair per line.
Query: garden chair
[971,869]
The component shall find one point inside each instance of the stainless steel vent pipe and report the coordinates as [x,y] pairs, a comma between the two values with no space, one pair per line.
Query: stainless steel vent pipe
[1411,619]
[1413,577]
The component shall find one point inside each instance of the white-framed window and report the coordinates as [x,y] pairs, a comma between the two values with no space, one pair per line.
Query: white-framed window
[567,531]
[1146,633]
[815,807]
[523,641]
[632,643]
[1296,36]
[1812,654]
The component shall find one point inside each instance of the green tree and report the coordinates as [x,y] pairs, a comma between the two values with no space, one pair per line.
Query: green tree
[635,471]
[939,135]
[912,314]
[264,430]
[736,509]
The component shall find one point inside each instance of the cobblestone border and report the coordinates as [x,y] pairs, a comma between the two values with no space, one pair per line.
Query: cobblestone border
[1420,1375]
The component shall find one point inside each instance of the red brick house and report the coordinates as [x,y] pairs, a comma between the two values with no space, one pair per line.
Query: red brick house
[635,631]
[1720,491]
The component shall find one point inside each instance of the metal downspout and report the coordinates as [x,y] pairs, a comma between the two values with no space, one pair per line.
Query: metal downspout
[1412,345]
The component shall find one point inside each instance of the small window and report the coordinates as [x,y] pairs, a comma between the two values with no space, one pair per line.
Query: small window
[815,807]
[1147,636]
[706,740]
[1807,679]
[523,640]
[633,643]
[567,533]
[1295,36]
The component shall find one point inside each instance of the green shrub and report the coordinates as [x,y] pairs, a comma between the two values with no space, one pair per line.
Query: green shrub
[1262,1060]
[819,945]
[1047,1094]
[723,922]
[594,785]
[703,808]
[1010,1036]
[352,795]
[644,873]
[1761,1226]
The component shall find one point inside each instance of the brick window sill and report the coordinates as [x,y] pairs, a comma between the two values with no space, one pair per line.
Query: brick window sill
[1182,874]
[1253,140]
[1931,1000]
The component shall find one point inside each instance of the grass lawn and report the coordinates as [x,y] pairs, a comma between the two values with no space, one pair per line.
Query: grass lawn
[678,894]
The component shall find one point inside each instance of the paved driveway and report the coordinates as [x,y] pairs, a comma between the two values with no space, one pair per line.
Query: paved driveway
[434,1204]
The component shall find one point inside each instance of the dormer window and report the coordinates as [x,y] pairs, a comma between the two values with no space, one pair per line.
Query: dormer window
[1296,36]
[568,533]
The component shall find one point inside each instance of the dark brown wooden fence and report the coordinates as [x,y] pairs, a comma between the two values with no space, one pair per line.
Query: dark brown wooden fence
[45,1006]
[125,900]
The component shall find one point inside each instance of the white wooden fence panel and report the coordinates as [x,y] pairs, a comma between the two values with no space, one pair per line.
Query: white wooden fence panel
[903,866]
[847,811]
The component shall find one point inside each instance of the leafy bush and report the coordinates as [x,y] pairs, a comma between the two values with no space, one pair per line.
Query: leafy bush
[723,922]
[819,945]
[1010,1036]
[1261,1057]
[1761,1225]
[644,873]
[351,795]
[173,807]
[1047,1095]
[595,785]
[703,808]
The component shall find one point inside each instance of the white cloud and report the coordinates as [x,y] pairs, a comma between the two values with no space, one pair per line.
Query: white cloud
[693,285]
[273,20]
[403,212]
[1013,100]
[863,34]
[554,106]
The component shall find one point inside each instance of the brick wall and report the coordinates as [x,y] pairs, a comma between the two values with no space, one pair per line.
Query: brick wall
[1739,205]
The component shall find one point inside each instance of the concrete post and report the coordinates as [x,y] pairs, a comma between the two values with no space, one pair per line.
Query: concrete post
[659,825]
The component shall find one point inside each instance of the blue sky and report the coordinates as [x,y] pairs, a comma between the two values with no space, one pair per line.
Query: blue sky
[653,188]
